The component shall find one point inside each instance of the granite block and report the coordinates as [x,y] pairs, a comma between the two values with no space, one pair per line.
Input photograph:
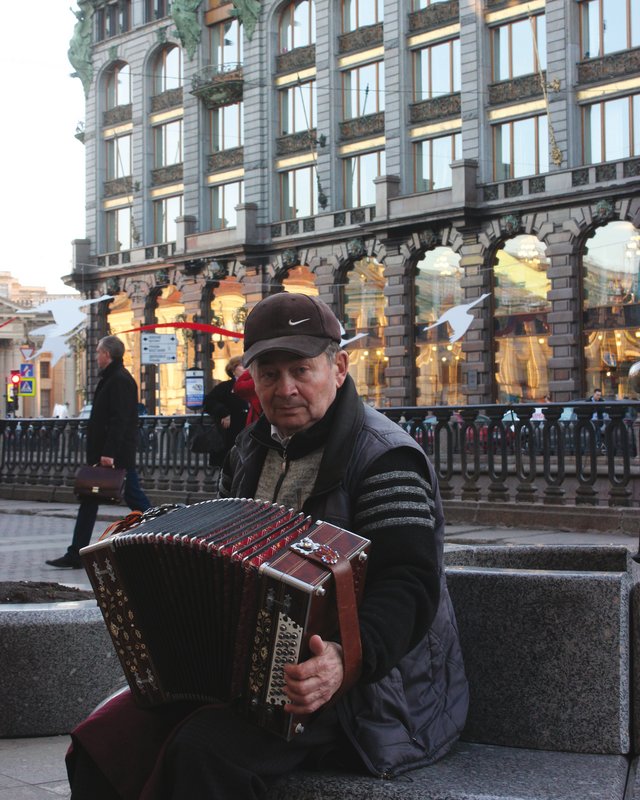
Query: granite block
[475,772]
[546,643]
[57,663]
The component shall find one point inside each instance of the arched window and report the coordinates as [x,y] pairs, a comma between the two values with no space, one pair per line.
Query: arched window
[118,86]
[297,25]
[611,292]
[167,73]
[438,361]
[521,330]
[363,312]
[228,311]
[358,13]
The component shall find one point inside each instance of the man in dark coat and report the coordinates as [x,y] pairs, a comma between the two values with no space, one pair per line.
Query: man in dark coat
[227,409]
[112,433]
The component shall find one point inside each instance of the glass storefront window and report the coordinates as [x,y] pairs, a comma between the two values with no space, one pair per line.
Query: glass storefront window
[438,361]
[228,310]
[521,330]
[300,279]
[363,305]
[611,322]
[170,378]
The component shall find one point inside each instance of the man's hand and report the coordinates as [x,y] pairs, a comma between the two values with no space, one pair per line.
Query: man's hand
[106,461]
[225,422]
[313,683]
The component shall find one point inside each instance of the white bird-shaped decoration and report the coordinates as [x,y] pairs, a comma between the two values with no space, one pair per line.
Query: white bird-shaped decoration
[68,320]
[345,342]
[458,318]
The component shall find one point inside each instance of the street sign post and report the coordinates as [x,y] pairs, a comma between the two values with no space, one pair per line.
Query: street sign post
[27,387]
[158,348]
[194,382]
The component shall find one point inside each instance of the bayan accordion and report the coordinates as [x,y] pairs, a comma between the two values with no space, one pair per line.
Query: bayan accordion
[207,602]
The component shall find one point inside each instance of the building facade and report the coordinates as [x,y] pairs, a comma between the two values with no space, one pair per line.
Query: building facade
[407,160]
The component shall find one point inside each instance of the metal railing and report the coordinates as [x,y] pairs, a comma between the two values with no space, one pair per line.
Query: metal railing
[586,454]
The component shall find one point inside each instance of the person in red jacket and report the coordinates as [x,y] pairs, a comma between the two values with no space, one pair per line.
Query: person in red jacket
[245,388]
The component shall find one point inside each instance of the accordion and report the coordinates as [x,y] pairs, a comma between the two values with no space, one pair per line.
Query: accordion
[208,602]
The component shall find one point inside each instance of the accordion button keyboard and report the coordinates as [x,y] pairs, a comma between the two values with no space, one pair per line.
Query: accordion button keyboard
[286,650]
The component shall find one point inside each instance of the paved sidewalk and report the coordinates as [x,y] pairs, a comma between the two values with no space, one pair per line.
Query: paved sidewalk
[30,533]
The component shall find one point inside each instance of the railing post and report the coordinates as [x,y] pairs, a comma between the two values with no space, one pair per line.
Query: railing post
[524,441]
[616,438]
[470,477]
[498,489]
[554,493]
[584,438]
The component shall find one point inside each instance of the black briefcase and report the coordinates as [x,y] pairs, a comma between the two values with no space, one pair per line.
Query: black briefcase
[103,484]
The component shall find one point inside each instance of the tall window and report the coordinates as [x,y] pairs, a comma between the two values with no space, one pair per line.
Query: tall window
[225,43]
[118,229]
[436,70]
[224,199]
[438,361]
[297,25]
[433,159]
[359,172]
[298,193]
[363,90]
[358,13]
[611,129]
[118,157]
[297,108]
[363,311]
[519,48]
[167,141]
[226,127]
[521,330]
[608,26]
[157,9]
[118,86]
[611,291]
[168,70]
[165,213]
[520,147]
[112,19]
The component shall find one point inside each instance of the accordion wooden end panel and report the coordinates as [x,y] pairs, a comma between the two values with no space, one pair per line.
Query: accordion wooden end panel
[208,602]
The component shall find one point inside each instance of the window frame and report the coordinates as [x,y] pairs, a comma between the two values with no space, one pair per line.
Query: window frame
[159,205]
[379,13]
[346,192]
[161,141]
[163,81]
[633,132]
[112,84]
[223,187]
[454,77]
[290,174]
[539,63]
[114,165]
[310,37]
[494,131]
[631,34]
[308,121]
[456,152]
[378,92]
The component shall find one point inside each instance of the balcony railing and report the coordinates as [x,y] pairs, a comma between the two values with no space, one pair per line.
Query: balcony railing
[552,455]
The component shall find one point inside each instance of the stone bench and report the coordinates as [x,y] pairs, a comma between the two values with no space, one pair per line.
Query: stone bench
[547,641]
[57,663]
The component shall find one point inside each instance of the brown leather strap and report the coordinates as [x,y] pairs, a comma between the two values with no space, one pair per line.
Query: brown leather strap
[347,610]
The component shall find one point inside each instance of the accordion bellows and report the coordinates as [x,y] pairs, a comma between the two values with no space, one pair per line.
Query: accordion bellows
[207,602]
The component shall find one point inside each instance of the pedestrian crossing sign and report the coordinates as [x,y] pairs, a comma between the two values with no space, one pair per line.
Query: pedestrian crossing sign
[27,387]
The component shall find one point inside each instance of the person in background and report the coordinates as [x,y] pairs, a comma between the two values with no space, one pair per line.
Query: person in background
[112,433]
[228,410]
[245,388]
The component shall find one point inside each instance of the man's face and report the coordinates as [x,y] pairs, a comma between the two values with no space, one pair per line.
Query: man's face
[103,358]
[296,392]
[597,395]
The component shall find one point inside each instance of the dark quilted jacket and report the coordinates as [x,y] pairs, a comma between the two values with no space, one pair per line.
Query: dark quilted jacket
[413,715]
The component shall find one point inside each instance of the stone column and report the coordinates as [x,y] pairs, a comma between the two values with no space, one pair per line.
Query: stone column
[478,365]
[564,317]
[401,368]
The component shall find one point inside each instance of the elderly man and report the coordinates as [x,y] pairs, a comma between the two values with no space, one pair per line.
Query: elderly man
[319,449]
[112,433]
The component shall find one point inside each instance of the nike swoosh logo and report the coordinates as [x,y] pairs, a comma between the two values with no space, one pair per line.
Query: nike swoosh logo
[299,322]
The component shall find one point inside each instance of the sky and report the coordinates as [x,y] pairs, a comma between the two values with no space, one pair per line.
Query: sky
[41,161]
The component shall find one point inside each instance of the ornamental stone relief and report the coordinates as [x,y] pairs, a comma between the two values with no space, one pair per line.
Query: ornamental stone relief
[299,58]
[117,187]
[626,62]
[360,39]
[447,105]
[434,16]
[362,127]
[116,115]
[165,175]
[296,142]
[169,99]
[225,159]
[517,89]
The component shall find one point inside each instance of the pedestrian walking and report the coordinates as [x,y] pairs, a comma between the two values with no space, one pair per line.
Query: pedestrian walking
[111,442]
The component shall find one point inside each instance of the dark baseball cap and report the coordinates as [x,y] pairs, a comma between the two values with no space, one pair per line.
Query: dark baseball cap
[294,323]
